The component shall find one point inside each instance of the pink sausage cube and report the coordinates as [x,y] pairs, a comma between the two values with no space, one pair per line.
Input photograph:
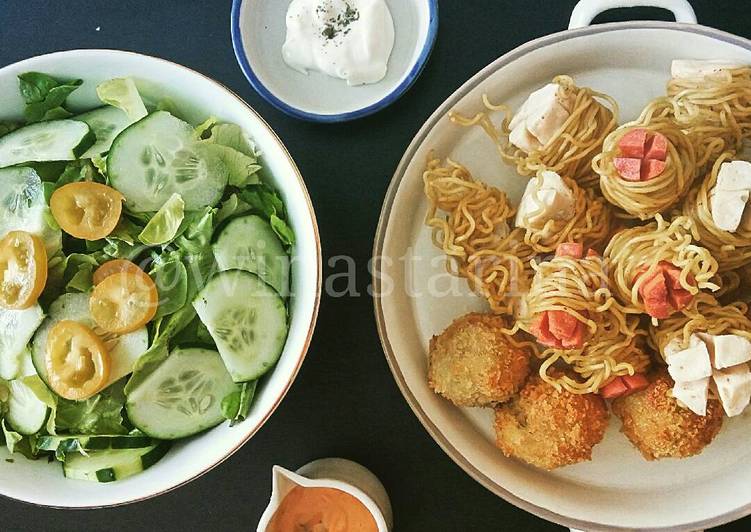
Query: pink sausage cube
[651,168]
[628,168]
[632,143]
[570,249]
[656,147]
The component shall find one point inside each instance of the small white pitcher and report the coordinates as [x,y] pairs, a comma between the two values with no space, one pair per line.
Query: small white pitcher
[337,473]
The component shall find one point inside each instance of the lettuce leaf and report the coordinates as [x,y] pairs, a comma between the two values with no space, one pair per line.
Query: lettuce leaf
[265,201]
[242,169]
[164,225]
[123,94]
[236,405]
[101,414]
[45,96]
[12,438]
[171,280]
[233,136]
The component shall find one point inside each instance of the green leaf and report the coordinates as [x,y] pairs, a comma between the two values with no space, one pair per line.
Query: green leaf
[12,438]
[123,94]
[100,414]
[233,136]
[282,230]
[242,169]
[35,86]
[263,200]
[230,208]
[205,126]
[171,280]
[45,96]
[79,269]
[164,225]
[247,394]
[236,405]
[231,405]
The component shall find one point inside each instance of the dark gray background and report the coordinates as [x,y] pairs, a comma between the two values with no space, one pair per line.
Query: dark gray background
[344,402]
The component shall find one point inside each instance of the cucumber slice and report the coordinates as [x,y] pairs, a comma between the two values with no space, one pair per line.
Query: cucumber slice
[16,329]
[26,413]
[23,207]
[158,156]
[55,140]
[106,123]
[111,465]
[249,243]
[70,444]
[247,319]
[124,350]
[182,396]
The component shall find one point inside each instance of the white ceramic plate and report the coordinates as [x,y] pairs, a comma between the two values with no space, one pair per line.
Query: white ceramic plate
[197,97]
[618,488]
[258,33]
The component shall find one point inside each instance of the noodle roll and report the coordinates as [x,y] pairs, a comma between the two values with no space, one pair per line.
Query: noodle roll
[712,101]
[569,301]
[554,210]
[718,210]
[559,128]
[476,235]
[657,269]
[645,168]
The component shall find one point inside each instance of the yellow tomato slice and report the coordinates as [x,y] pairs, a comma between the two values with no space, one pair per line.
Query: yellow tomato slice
[124,301]
[78,364]
[87,210]
[23,270]
[112,267]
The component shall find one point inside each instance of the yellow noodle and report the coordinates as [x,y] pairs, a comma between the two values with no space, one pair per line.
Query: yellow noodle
[569,152]
[707,316]
[590,224]
[580,288]
[731,249]
[640,249]
[475,233]
[645,199]
[601,360]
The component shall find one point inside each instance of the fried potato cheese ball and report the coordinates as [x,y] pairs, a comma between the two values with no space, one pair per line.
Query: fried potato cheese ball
[659,427]
[474,363]
[548,428]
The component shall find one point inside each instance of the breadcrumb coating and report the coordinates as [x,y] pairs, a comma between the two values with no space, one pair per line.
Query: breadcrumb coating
[659,427]
[474,363]
[548,428]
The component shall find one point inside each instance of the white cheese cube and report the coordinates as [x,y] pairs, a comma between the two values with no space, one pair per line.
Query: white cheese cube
[734,388]
[674,345]
[544,121]
[734,175]
[693,395]
[731,350]
[542,114]
[690,364]
[728,208]
[554,200]
[692,68]
[523,139]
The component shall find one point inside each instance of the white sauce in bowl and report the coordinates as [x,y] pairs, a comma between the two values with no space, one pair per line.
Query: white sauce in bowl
[347,39]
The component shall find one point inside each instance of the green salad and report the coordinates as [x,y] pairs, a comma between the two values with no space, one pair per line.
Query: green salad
[144,278]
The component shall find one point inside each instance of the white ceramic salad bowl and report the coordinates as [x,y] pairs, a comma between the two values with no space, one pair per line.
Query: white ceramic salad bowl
[198,97]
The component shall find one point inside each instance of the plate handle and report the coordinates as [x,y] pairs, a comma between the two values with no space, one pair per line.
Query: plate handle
[586,10]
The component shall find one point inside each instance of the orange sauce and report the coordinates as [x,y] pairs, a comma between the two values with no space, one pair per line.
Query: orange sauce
[321,510]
